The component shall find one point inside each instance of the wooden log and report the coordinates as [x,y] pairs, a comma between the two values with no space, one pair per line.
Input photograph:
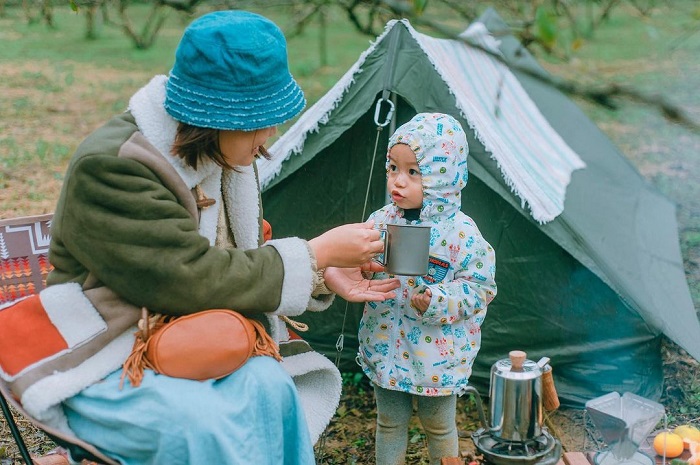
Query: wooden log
[451,461]
[575,458]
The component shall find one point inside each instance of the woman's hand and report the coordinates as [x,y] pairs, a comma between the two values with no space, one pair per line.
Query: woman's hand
[349,284]
[421,300]
[349,245]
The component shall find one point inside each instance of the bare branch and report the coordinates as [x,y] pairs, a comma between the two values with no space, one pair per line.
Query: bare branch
[300,23]
[605,13]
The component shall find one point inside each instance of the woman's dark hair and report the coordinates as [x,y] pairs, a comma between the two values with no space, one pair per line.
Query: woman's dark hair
[193,143]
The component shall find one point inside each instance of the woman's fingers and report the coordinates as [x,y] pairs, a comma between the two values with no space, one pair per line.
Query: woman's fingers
[372,266]
[348,245]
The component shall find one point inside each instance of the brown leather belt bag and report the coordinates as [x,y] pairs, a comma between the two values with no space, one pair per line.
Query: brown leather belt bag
[209,344]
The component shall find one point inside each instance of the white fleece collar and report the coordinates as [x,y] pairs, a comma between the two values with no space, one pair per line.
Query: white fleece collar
[240,188]
[243,207]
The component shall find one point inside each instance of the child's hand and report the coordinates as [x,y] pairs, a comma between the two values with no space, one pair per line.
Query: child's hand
[421,300]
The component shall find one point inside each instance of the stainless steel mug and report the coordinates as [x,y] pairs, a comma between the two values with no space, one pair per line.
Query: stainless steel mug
[406,249]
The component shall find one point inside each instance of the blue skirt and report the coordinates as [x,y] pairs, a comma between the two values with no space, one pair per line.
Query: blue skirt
[251,416]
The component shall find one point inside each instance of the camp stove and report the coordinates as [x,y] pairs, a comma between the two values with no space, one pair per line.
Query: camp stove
[542,450]
[516,435]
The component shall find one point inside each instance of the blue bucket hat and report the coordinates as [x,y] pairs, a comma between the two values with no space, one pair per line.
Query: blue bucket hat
[231,72]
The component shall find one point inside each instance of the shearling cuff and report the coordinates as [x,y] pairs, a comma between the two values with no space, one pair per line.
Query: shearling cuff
[320,302]
[299,271]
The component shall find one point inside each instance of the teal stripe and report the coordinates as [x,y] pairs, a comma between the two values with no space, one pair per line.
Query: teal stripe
[523,132]
[477,76]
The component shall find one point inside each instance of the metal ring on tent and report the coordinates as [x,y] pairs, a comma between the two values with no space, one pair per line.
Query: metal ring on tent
[377,110]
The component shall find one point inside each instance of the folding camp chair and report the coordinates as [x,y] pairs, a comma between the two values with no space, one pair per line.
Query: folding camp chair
[24,265]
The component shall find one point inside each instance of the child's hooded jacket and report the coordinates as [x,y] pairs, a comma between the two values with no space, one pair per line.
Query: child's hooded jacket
[432,354]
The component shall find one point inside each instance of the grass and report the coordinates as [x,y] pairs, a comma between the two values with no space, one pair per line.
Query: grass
[56,87]
[657,55]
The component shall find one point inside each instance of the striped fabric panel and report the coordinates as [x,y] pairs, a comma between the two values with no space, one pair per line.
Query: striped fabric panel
[534,160]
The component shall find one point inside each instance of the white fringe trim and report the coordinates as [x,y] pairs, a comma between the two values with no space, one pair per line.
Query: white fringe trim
[292,141]
[542,208]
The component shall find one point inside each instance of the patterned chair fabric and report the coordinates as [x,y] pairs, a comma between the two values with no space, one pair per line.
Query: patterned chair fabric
[24,263]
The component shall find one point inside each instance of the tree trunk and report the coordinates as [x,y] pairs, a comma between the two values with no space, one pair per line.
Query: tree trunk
[47,12]
[105,13]
[90,20]
[151,27]
[27,8]
[322,36]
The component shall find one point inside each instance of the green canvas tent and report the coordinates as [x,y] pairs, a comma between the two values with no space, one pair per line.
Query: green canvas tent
[592,279]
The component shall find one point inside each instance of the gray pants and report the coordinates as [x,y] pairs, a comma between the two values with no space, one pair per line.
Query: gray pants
[436,414]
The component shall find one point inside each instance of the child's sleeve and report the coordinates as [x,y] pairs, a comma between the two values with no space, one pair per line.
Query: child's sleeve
[471,290]
[378,216]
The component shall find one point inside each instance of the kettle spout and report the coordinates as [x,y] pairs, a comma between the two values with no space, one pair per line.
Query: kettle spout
[479,407]
[543,362]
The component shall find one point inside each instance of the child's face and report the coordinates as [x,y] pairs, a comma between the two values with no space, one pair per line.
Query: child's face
[404,181]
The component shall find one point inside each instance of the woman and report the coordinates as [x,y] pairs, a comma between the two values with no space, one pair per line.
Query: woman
[161,207]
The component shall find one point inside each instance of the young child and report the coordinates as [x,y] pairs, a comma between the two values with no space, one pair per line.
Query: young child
[422,344]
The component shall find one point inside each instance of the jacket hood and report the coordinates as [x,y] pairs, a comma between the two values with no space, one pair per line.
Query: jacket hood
[440,145]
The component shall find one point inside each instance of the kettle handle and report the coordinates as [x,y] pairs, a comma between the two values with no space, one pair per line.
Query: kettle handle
[479,406]
[550,398]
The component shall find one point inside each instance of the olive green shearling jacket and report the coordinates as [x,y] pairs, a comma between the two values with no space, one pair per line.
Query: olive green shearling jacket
[126,216]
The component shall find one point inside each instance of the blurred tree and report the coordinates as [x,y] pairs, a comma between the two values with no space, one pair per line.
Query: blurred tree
[45,11]
[144,38]
[554,27]
[303,13]
[91,8]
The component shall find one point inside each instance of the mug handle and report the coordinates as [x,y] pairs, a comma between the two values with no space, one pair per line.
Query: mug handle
[383,258]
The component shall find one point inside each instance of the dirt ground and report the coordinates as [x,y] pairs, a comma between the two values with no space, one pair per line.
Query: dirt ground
[350,437]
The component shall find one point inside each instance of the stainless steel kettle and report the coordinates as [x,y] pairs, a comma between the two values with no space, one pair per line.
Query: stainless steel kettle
[515,398]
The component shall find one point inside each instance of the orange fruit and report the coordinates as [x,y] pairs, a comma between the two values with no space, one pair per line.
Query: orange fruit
[694,448]
[694,453]
[669,442]
[688,433]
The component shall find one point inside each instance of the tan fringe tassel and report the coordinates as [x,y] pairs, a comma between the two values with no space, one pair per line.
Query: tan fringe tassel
[137,362]
[264,344]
